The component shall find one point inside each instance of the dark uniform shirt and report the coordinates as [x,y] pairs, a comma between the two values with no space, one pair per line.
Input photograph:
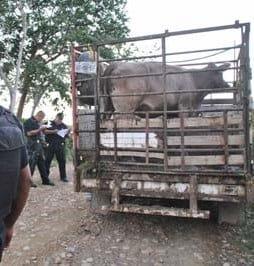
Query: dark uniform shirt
[54,139]
[32,124]
[35,148]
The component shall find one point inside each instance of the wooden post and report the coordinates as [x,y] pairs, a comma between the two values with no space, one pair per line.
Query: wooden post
[226,151]
[115,137]
[193,193]
[182,141]
[147,138]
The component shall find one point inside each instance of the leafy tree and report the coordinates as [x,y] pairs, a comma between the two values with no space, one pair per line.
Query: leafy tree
[46,80]
[10,68]
[53,25]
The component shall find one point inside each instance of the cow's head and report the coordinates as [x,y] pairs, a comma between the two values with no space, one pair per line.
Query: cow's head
[215,75]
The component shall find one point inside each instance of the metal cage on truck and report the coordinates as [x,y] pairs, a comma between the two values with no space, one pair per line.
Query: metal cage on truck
[205,156]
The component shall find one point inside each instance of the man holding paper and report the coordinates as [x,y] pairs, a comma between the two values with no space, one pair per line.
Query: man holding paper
[34,130]
[55,137]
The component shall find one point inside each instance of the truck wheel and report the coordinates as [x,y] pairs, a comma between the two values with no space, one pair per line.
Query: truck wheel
[100,202]
[230,213]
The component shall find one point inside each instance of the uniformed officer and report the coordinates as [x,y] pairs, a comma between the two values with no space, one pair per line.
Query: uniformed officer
[14,175]
[56,145]
[34,133]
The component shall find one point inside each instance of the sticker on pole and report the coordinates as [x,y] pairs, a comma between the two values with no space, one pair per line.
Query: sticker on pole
[85,67]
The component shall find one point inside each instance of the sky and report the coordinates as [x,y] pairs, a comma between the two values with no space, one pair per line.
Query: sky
[156,16]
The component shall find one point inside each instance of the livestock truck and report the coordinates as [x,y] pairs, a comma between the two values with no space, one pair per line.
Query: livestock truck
[171,162]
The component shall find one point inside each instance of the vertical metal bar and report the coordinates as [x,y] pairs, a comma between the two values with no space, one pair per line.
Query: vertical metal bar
[237,80]
[97,107]
[235,74]
[165,142]
[77,179]
[226,152]
[246,93]
[115,137]
[182,141]
[193,193]
[147,138]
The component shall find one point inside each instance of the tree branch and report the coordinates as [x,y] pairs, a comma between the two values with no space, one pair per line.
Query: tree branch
[56,55]
[21,45]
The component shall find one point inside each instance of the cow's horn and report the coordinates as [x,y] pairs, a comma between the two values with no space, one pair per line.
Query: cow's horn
[224,67]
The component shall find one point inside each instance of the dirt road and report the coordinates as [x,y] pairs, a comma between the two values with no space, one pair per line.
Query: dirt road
[58,228]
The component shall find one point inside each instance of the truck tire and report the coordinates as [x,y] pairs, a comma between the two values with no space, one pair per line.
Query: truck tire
[230,213]
[100,202]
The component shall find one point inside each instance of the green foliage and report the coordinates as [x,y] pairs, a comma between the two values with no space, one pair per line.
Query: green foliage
[53,25]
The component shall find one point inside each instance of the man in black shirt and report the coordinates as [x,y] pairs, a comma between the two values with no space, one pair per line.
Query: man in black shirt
[34,132]
[55,136]
[14,175]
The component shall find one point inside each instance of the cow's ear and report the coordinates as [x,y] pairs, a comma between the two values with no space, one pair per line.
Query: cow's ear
[224,67]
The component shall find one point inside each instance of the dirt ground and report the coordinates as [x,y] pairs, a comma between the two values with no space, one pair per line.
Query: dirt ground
[58,228]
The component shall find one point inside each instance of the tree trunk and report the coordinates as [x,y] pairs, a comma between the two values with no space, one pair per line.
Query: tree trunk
[33,109]
[36,103]
[13,96]
[21,104]
[24,92]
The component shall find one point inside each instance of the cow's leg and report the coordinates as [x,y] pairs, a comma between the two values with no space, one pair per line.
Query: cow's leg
[127,105]
[106,108]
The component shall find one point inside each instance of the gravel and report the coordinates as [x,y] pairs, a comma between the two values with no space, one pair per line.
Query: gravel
[57,228]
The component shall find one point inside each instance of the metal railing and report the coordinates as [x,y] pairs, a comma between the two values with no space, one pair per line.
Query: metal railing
[240,102]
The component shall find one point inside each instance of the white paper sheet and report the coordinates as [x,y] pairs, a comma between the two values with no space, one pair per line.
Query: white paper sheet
[49,124]
[62,132]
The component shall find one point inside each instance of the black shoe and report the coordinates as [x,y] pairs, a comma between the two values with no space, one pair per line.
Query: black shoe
[64,180]
[49,183]
[32,184]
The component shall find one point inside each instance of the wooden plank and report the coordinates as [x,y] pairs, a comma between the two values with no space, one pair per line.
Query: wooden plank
[174,122]
[176,160]
[206,140]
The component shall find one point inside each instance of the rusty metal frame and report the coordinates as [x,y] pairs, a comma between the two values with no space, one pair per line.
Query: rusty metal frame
[241,68]
[77,179]
[163,48]
[167,54]
[237,25]
[186,213]
[182,141]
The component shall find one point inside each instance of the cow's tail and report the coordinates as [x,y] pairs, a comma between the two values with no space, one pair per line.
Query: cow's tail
[106,89]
